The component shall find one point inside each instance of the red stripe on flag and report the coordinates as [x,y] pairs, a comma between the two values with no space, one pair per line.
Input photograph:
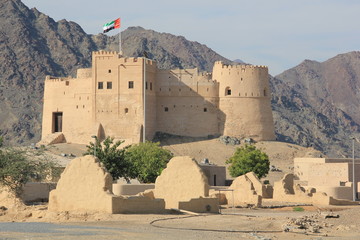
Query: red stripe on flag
[117,23]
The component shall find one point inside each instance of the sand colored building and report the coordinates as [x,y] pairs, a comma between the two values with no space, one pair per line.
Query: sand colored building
[330,175]
[108,100]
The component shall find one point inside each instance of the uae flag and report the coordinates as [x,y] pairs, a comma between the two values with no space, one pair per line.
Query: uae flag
[111,25]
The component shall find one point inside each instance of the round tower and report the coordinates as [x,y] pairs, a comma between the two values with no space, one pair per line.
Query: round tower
[244,101]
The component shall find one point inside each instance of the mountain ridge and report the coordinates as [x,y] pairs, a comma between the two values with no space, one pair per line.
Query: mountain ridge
[308,107]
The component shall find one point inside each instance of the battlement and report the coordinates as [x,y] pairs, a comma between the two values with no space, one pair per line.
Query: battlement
[104,53]
[238,66]
[122,59]
[49,78]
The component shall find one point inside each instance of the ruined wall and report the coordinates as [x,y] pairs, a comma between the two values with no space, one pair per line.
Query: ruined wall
[83,186]
[245,100]
[182,180]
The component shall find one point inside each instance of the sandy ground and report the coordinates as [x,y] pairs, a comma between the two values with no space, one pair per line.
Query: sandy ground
[35,222]
[281,154]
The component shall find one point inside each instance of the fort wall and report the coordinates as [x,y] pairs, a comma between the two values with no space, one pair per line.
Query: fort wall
[245,101]
[108,100]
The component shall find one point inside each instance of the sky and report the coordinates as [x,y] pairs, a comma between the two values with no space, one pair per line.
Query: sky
[277,33]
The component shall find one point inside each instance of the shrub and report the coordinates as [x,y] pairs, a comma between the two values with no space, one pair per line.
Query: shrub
[248,159]
[17,167]
[112,157]
[148,160]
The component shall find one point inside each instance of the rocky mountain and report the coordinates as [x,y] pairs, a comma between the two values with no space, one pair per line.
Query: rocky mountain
[33,45]
[315,104]
[318,103]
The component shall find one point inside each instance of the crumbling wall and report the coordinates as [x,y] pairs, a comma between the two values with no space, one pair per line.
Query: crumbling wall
[182,180]
[243,193]
[86,186]
[286,191]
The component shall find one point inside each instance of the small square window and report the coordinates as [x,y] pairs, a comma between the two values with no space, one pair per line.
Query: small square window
[109,71]
[166,109]
[205,109]
[100,85]
[109,85]
[67,83]
[131,84]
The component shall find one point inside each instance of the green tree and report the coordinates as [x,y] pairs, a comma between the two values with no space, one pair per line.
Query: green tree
[17,167]
[249,159]
[148,160]
[112,157]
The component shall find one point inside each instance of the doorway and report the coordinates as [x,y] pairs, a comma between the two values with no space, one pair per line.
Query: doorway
[57,121]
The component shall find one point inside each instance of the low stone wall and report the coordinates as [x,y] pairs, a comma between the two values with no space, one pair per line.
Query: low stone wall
[37,191]
[130,189]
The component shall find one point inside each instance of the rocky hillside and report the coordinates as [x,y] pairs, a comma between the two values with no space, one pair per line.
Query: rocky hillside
[33,45]
[315,104]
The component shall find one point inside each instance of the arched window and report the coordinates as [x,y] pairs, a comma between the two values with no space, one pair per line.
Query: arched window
[227,91]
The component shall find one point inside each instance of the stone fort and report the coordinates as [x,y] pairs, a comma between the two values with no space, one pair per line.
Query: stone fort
[108,100]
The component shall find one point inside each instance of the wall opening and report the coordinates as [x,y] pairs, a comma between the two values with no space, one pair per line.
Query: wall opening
[227,91]
[265,93]
[214,179]
[100,85]
[109,71]
[57,121]
[109,85]
[131,84]
[126,110]
[166,109]
[205,109]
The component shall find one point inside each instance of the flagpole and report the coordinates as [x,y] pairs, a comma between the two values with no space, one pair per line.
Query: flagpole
[120,49]
[144,98]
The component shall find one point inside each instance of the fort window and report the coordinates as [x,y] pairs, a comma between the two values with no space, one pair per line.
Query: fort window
[207,89]
[160,89]
[264,92]
[77,106]
[131,84]
[83,106]
[57,121]
[169,89]
[146,85]
[100,85]
[205,109]
[150,86]
[109,85]
[109,71]
[166,109]
[126,110]
[179,89]
[227,91]
[67,83]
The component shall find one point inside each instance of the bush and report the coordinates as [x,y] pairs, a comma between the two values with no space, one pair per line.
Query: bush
[112,157]
[249,159]
[148,160]
[17,167]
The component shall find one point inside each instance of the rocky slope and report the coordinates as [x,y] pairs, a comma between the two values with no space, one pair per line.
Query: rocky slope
[314,103]
[318,103]
[33,45]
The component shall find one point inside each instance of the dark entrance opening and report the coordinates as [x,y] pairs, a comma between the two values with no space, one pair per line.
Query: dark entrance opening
[57,121]
[215,180]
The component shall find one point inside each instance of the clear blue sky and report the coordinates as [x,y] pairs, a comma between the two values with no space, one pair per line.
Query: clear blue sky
[276,33]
